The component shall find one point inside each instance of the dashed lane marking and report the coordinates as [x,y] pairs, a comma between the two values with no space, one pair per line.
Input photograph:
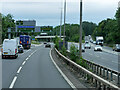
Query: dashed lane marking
[15,78]
[19,70]
[13,82]
[24,63]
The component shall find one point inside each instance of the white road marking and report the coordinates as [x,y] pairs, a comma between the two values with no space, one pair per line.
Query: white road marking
[19,70]
[23,62]
[15,78]
[64,76]
[13,82]
[26,58]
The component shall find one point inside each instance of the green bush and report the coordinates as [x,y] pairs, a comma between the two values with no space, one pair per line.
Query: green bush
[73,53]
[56,41]
[63,51]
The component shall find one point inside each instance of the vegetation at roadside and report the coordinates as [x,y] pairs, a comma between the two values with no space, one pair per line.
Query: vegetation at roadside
[7,21]
[72,31]
[35,42]
[109,29]
[73,55]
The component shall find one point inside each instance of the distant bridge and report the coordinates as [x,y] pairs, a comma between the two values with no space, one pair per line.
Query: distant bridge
[46,38]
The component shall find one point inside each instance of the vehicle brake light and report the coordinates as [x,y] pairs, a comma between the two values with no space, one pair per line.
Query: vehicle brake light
[15,50]
[27,42]
[20,42]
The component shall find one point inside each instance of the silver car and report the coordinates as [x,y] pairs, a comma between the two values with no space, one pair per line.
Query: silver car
[87,45]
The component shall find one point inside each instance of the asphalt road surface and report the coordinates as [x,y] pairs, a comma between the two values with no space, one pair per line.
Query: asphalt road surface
[103,58]
[32,69]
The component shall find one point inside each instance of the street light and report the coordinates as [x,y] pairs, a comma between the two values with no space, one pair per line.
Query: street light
[80,39]
[64,21]
[60,22]
[9,32]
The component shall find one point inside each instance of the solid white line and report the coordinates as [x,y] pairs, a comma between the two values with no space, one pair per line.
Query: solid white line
[64,76]
[19,70]
[13,82]
[23,62]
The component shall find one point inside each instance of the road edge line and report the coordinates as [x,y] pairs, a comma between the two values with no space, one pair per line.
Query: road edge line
[63,75]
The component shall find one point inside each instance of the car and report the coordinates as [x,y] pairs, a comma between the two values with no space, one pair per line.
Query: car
[20,49]
[87,45]
[94,42]
[86,42]
[48,45]
[83,49]
[116,47]
[45,42]
[9,48]
[98,48]
[91,40]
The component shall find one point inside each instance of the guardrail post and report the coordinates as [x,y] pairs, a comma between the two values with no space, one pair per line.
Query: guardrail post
[99,88]
[97,70]
[103,72]
[104,87]
[118,79]
[92,68]
[111,75]
[107,76]
[100,71]
[95,83]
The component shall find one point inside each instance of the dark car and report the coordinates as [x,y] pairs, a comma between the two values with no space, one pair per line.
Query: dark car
[116,47]
[45,42]
[48,45]
[83,49]
[20,49]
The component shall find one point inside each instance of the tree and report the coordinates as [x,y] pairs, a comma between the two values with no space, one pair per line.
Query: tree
[118,25]
[7,21]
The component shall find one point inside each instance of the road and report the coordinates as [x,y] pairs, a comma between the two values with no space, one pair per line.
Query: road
[32,69]
[103,58]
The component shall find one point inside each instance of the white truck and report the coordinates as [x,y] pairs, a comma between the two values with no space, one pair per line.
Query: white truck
[99,40]
[9,48]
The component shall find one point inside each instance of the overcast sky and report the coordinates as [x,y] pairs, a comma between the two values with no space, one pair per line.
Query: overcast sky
[47,12]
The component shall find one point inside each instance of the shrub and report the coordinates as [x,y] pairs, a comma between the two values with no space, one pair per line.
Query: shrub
[63,51]
[73,53]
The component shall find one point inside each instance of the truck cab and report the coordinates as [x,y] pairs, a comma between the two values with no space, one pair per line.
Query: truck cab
[99,40]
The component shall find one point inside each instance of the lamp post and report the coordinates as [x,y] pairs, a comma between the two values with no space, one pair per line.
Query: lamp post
[9,33]
[60,22]
[64,21]
[80,39]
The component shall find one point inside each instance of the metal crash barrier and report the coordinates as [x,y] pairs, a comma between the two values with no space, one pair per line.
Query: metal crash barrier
[93,77]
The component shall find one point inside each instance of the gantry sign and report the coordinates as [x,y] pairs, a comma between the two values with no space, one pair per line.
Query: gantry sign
[25,25]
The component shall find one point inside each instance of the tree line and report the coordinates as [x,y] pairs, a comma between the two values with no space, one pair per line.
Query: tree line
[72,30]
[109,29]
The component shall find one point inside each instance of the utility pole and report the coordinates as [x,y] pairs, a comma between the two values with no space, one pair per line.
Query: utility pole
[9,33]
[60,22]
[64,21]
[80,39]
